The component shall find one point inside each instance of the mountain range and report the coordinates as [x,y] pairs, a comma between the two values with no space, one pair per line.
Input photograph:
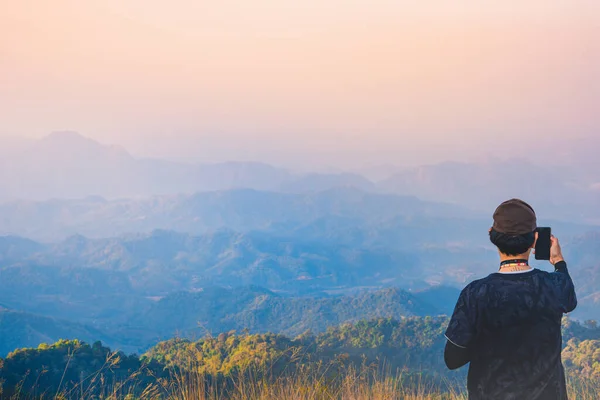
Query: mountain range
[343,213]
[113,272]
[567,192]
[241,210]
[68,165]
[145,287]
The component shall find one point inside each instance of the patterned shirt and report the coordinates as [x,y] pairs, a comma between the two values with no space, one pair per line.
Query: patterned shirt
[511,326]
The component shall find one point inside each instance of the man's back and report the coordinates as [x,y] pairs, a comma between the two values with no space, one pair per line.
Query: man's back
[511,323]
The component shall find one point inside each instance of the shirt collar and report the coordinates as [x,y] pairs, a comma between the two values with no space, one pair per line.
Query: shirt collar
[515,272]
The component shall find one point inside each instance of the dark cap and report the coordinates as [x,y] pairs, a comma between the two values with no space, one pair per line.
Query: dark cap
[515,217]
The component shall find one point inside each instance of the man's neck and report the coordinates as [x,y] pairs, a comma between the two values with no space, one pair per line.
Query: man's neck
[522,257]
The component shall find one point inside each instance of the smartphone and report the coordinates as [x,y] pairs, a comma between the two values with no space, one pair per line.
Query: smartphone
[543,244]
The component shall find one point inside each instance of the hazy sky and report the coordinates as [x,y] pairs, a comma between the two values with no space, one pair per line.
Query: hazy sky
[347,81]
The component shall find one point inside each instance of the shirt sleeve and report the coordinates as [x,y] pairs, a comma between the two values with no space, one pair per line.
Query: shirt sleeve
[461,328]
[566,288]
[455,357]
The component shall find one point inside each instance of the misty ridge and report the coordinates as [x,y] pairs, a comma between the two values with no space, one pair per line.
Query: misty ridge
[66,165]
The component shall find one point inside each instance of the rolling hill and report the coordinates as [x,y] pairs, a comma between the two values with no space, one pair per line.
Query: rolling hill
[210,310]
[219,310]
[19,329]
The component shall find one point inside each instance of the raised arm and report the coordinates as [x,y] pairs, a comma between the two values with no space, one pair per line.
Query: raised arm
[564,282]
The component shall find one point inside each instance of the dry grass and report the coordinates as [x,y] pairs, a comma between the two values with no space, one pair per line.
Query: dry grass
[363,384]
[354,386]
[324,383]
[583,389]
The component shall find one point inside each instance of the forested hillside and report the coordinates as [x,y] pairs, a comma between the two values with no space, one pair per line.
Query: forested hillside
[20,329]
[409,349]
[216,310]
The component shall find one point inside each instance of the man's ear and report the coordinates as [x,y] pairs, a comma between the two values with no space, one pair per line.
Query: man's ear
[535,241]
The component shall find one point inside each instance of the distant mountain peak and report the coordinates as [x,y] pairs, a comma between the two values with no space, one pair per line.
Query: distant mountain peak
[74,139]
[70,149]
[72,135]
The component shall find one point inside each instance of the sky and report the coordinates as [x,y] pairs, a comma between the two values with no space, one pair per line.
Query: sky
[321,82]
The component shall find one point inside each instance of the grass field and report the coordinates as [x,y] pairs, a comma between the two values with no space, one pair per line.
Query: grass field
[364,384]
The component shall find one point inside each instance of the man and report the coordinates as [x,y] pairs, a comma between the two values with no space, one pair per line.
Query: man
[508,325]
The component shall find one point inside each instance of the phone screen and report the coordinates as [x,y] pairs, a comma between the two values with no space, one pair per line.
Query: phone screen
[543,244]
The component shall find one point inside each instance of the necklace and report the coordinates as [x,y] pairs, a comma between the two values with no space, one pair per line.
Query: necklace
[514,265]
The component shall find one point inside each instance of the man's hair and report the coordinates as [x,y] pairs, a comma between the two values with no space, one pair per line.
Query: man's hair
[512,245]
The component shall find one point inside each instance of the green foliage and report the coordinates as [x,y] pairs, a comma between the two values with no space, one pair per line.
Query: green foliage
[74,368]
[415,343]
[583,357]
[229,353]
[571,329]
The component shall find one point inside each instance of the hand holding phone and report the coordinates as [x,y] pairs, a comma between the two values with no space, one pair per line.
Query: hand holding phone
[555,251]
